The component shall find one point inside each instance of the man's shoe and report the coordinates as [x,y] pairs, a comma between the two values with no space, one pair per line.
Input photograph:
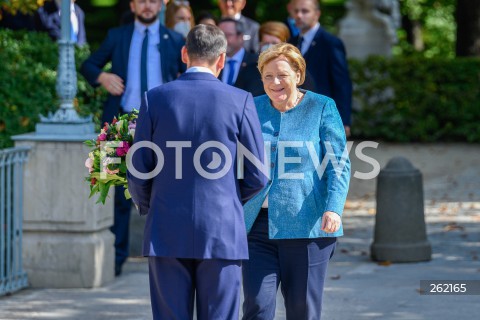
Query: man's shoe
[118,270]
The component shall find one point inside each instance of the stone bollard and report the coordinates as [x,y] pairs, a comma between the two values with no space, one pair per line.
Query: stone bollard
[400,233]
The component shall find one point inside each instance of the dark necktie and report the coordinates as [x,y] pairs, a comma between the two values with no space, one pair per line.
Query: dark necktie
[300,43]
[231,71]
[143,64]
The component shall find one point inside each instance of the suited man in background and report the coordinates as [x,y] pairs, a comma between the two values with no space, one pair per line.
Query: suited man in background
[48,19]
[290,21]
[144,54]
[195,234]
[233,9]
[241,66]
[325,57]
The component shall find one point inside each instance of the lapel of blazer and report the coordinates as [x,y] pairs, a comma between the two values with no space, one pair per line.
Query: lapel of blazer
[248,59]
[127,39]
[165,42]
[315,43]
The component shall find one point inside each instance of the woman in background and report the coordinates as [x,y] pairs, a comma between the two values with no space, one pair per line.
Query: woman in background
[272,32]
[179,17]
[206,17]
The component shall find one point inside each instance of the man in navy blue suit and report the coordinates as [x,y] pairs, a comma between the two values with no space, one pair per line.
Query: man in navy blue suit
[144,54]
[47,18]
[184,177]
[241,66]
[325,57]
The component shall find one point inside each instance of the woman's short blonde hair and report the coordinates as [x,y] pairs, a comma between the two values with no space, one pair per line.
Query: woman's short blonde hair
[290,52]
[276,29]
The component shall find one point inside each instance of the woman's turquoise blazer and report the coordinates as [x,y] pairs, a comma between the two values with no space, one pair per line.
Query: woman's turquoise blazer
[309,167]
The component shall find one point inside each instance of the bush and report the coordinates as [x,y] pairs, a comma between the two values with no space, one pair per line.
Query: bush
[28,76]
[402,99]
[417,99]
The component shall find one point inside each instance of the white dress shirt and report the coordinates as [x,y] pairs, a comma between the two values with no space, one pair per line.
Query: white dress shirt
[308,38]
[199,69]
[132,96]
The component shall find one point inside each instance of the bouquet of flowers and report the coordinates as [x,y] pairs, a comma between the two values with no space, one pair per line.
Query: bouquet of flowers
[106,162]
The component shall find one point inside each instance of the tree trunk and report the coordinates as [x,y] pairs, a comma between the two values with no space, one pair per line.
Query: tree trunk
[467,16]
[414,31]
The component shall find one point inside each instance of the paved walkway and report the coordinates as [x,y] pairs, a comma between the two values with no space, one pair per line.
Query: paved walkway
[356,288]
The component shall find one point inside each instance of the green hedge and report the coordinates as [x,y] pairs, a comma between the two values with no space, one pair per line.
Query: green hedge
[27,83]
[397,99]
[417,99]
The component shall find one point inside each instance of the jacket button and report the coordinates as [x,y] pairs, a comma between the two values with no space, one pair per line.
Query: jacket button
[274,148]
[272,165]
[275,134]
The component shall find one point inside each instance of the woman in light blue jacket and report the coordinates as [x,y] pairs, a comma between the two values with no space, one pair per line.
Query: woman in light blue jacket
[293,223]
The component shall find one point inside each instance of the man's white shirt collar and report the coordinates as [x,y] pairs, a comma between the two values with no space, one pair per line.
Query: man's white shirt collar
[308,37]
[310,34]
[199,69]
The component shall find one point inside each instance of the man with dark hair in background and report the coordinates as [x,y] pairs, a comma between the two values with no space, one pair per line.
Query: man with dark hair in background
[241,66]
[48,19]
[325,57]
[233,9]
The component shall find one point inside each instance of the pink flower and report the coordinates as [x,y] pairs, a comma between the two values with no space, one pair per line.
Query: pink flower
[123,149]
[89,165]
[115,171]
[102,137]
[106,162]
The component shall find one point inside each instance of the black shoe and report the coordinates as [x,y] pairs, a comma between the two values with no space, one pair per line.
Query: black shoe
[118,270]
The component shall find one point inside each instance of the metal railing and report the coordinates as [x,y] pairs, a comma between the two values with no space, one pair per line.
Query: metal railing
[12,276]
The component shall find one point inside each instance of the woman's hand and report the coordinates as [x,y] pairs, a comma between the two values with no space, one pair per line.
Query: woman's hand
[331,222]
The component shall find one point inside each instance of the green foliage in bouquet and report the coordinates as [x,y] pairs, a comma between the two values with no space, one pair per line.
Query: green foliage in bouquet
[106,162]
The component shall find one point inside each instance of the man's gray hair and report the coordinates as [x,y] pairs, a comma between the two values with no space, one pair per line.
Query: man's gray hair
[205,43]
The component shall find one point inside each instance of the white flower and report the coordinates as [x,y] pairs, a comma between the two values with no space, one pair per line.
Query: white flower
[119,125]
[131,132]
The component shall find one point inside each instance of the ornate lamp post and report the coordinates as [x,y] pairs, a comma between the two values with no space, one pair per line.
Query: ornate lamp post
[61,217]
[66,84]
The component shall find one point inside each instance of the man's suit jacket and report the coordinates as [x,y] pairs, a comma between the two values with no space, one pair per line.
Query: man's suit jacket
[47,19]
[116,48]
[195,216]
[249,78]
[250,28]
[327,64]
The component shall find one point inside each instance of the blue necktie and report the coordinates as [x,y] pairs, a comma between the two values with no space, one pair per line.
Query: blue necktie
[300,43]
[231,71]
[143,64]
